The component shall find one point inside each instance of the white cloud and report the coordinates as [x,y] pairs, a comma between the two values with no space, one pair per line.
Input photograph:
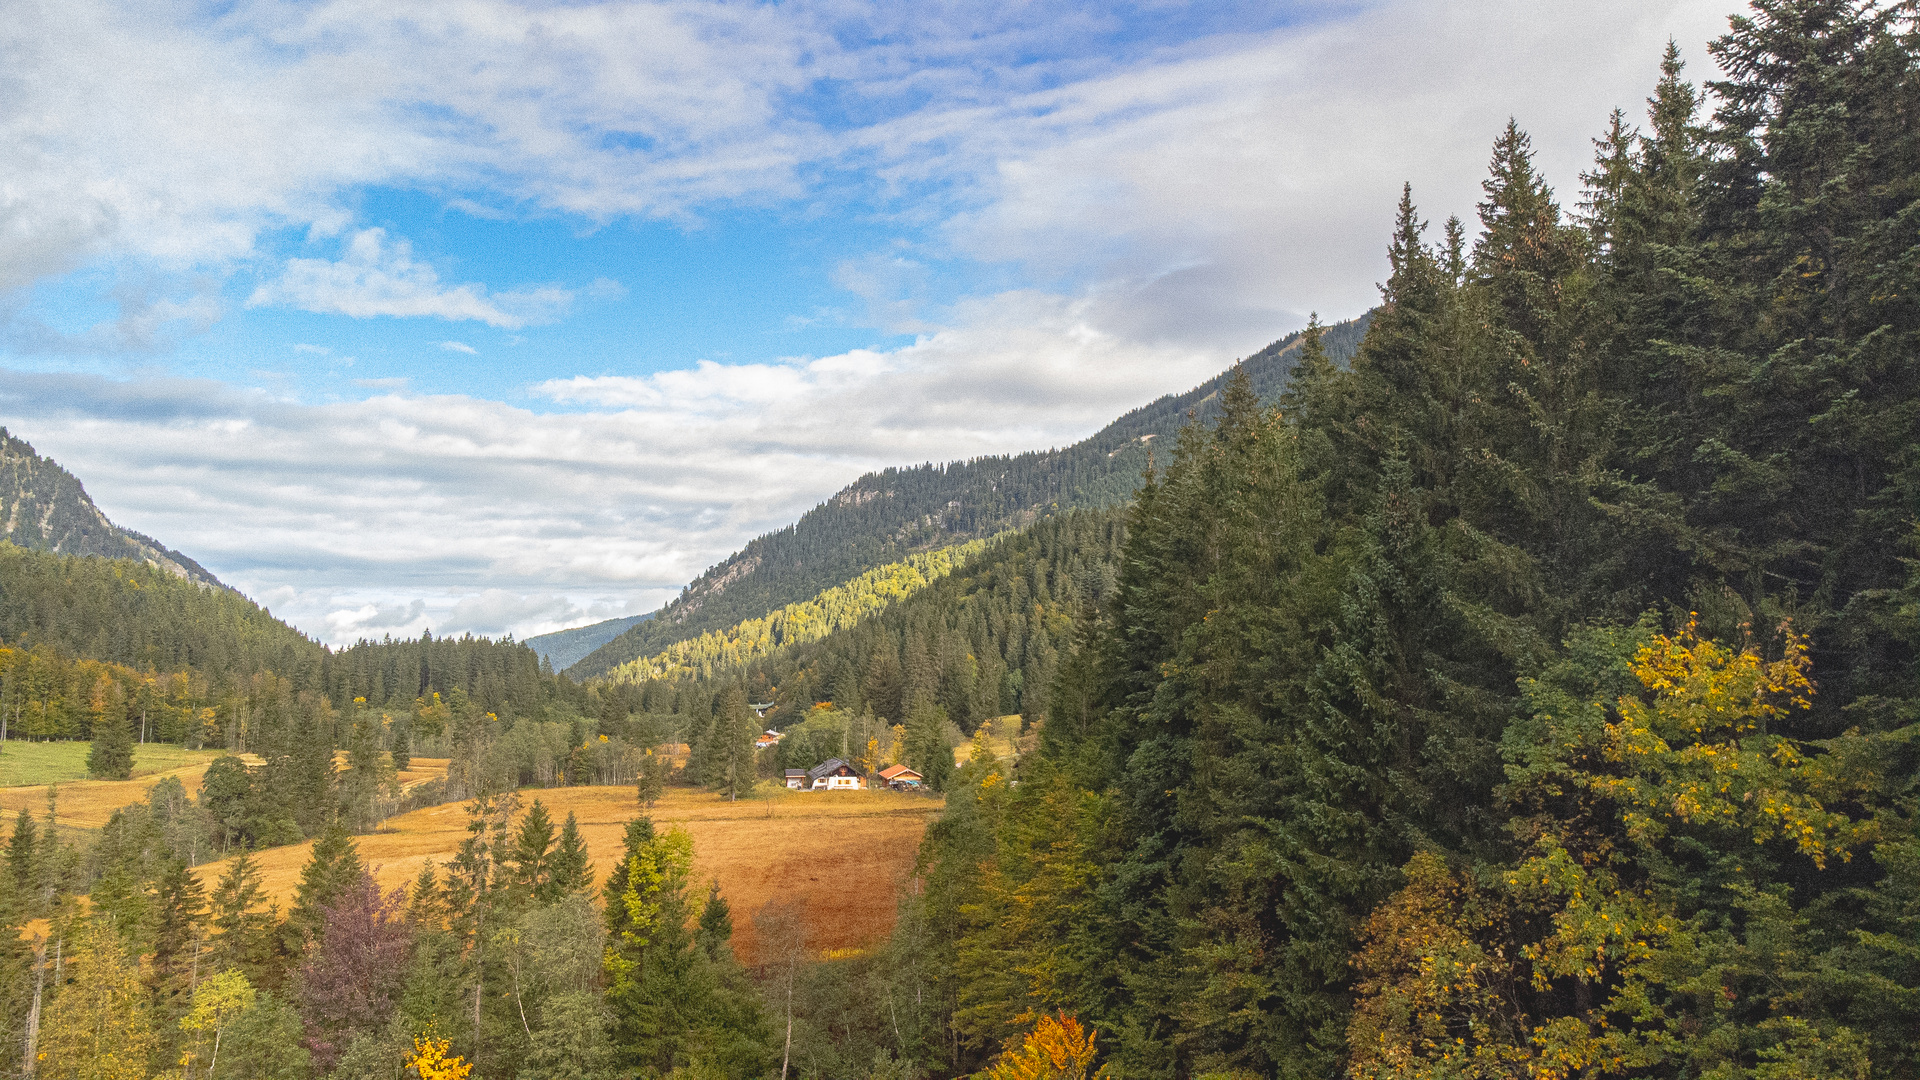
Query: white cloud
[380,277]
[363,507]
[1188,206]
[1216,195]
[457,346]
[272,110]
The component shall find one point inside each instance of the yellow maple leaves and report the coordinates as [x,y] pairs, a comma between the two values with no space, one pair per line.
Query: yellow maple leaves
[1058,1048]
[1700,753]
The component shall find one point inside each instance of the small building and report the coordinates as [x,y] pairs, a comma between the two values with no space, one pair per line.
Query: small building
[833,774]
[796,778]
[900,778]
[766,739]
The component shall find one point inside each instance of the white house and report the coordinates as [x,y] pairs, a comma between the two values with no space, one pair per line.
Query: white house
[834,775]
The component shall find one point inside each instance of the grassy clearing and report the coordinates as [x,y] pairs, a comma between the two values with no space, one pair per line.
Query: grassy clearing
[87,804]
[25,764]
[843,854]
[1002,733]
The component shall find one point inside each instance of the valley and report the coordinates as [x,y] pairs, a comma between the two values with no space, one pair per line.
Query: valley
[843,857]
[1519,680]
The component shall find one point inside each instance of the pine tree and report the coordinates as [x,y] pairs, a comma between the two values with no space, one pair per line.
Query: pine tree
[111,755]
[243,923]
[331,869]
[533,855]
[572,869]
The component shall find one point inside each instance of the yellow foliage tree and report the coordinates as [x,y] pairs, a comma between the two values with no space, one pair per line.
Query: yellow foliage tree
[430,1060]
[1058,1048]
[216,1002]
[1448,962]
[97,1028]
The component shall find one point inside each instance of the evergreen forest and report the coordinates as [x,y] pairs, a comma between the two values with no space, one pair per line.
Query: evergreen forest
[1521,682]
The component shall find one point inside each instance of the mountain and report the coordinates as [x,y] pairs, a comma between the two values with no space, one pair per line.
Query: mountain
[45,508]
[563,648]
[885,516]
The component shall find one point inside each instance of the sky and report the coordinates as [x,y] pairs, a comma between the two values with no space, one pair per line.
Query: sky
[498,317]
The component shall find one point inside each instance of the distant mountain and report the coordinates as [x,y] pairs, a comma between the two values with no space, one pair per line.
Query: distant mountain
[885,516]
[563,648]
[43,507]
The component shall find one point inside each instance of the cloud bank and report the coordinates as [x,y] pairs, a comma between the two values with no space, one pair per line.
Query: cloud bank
[1127,224]
[400,512]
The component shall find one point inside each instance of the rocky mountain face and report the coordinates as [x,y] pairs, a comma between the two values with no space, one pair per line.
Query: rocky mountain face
[44,507]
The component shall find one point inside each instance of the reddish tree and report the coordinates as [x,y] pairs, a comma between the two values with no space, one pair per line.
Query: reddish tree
[352,974]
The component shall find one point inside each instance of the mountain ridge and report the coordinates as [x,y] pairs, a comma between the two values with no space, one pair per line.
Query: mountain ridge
[898,511]
[43,507]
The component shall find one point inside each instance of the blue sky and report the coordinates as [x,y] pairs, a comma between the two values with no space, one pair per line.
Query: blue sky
[505,316]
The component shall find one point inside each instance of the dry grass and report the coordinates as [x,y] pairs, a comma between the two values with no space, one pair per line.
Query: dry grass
[87,804]
[1002,735]
[842,854]
[39,763]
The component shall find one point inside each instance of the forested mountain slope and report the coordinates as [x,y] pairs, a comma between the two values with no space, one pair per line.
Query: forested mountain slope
[983,640]
[564,648]
[44,507]
[832,610]
[884,516]
[128,611]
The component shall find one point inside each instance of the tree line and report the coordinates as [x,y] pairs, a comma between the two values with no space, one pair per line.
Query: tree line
[497,963]
[1537,695]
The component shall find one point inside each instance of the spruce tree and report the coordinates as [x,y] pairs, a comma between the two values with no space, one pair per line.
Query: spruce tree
[332,868]
[730,765]
[23,856]
[715,935]
[180,910]
[532,855]
[111,755]
[927,749]
[243,923]
[572,869]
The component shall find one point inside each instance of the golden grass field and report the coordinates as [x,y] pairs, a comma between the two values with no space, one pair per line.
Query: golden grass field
[87,804]
[27,763]
[843,855]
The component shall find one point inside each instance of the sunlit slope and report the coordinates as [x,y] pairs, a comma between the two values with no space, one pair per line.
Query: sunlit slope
[884,516]
[838,608]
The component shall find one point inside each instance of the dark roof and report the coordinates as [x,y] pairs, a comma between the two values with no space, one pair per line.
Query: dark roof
[826,768]
[796,772]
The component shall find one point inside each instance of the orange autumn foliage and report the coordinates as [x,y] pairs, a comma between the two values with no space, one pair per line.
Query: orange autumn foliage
[1058,1048]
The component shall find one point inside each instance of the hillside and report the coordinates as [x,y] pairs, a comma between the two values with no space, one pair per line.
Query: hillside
[839,608]
[136,613]
[45,508]
[884,516]
[564,648]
